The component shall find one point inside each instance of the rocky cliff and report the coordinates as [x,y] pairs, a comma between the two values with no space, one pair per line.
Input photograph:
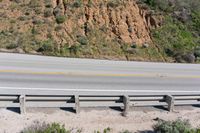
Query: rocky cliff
[78,28]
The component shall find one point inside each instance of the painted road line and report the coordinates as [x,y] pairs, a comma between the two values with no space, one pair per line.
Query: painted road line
[102,74]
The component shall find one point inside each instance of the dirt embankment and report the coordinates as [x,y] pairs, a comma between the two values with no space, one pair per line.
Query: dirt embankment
[96,29]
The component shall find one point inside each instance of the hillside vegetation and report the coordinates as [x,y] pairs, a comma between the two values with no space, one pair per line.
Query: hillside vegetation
[179,35]
[145,30]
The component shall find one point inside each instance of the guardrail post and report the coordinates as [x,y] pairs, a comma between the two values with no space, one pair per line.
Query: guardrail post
[77,104]
[170,102]
[22,100]
[126,101]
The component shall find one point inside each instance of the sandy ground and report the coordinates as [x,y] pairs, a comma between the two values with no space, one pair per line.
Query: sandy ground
[89,120]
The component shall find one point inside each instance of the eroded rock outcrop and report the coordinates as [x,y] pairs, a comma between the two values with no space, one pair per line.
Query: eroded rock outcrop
[106,25]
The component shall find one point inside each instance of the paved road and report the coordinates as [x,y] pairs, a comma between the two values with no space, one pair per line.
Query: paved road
[29,71]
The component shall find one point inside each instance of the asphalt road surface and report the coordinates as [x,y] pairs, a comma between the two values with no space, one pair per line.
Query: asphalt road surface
[30,71]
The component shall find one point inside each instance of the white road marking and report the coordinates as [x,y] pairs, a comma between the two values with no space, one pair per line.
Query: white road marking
[94,90]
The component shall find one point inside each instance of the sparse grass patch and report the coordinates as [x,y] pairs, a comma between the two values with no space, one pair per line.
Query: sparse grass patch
[34,3]
[37,21]
[106,130]
[23,18]
[48,4]
[126,131]
[58,28]
[38,10]
[114,3]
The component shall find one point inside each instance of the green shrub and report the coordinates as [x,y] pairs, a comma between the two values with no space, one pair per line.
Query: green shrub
[177,126]
[45,128]
[197,52]
[60,19]
[196,21]
[12,46]
[107,130]
[47,47]
[133,45]
[150,2]
[74,49]
[77,3]
[82,40]
[56,128]
[162,5]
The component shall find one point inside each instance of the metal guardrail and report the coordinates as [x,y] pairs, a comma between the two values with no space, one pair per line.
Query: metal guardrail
[76,99]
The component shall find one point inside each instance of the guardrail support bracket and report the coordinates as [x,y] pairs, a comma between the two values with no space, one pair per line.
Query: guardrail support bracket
[126,101]
[22,100]
[77,104]
[170,102]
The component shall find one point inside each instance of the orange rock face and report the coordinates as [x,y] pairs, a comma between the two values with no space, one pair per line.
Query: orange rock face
[99,21]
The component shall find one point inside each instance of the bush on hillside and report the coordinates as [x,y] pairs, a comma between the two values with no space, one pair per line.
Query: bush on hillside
[77,3]
[47,47]
[48,12]
[197,52]
[82,40]
[60,19]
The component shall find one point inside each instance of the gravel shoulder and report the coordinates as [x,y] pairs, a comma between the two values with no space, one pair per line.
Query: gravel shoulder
[89,120]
